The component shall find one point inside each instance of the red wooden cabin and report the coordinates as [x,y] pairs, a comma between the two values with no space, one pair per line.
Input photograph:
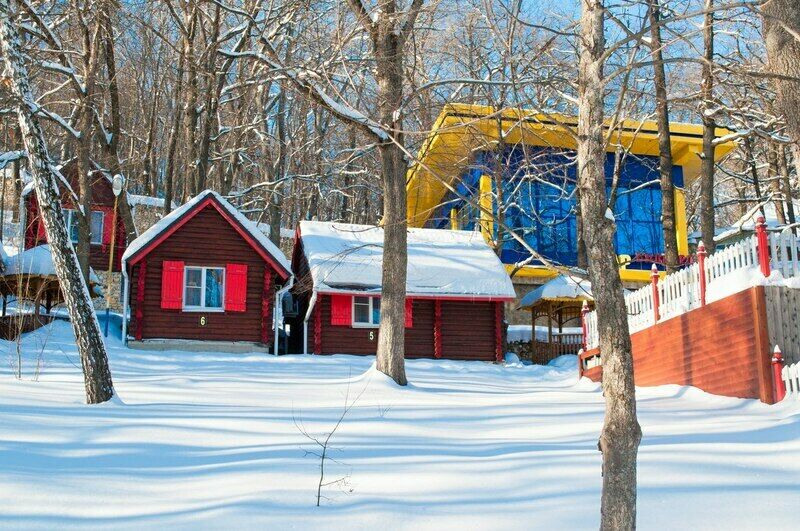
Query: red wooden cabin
[456,290]
[102,222]
[203,273]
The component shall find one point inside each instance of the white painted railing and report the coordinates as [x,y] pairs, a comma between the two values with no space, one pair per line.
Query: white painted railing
[784,248]
[791,378]
[592,334]
[683,290]
[735,257]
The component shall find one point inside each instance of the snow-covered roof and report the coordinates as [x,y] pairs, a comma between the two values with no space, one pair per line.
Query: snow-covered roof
[561,287]
[166,222]
[36,261]
[747,223]
[285,233]
[147,200]
[348,258]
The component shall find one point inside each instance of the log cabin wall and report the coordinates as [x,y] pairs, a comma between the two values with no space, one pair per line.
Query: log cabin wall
[722,348]
[468,331]
[207,239]
[102,200]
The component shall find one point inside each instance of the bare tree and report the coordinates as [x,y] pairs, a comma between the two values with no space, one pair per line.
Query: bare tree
[706,198]
[664,139]
[97,376]
[782,40]
[619,439]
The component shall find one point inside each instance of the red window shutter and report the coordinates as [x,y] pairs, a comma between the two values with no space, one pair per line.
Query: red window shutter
[341,310]
[172,285]
[108,225]
[235,287]
[409,313]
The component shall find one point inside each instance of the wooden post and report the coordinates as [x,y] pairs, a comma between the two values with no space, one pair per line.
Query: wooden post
[139,331]
[437,328]
[701,266]
[498,332]
[654,283]
[584,326]
[777,370]
[318,326]
[266,306]
[763,245]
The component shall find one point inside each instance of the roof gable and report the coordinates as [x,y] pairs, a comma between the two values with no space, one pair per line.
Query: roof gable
[349,258]
[171,223]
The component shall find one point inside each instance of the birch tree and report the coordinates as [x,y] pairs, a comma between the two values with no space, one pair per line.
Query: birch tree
[97,375]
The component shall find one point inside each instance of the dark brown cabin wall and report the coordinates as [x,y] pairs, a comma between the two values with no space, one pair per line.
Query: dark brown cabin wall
[349,340]
[419,338]
[205,240]
[342,339]
[468,330]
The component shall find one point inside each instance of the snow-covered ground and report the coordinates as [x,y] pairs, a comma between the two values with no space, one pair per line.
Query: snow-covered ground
[211,441]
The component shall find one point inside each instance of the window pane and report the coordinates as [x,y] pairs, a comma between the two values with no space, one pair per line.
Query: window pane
[376,311]
[97,227]
[214,280]
[193,292]
[194,277]
[72,223]
[361,310]
[192,296]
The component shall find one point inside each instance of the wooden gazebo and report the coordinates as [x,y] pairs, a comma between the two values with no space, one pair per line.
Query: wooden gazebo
[557,305]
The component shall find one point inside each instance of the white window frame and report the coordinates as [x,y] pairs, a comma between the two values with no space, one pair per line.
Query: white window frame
[70,212]
[371,313]
[202,307]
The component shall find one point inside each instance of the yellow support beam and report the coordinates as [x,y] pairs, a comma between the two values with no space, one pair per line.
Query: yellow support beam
[681,226]
[486,202]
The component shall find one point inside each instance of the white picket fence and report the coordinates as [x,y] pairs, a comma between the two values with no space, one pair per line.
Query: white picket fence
[679,292]
[791,378]
[783,252]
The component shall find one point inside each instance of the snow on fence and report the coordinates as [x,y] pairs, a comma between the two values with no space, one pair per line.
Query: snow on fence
[684,290]
[791,379]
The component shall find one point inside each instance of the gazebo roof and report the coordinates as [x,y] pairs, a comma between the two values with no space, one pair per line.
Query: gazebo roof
[563,288]
[32,271]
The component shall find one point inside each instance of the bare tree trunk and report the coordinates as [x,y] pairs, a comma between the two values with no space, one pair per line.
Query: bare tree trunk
[775,183]
[664,140]
[97,376]
[786,185]
[210,106]
[112,147]
[174,133]
[619,439]
[706,198]
[782,40]
[753,167]
[276,199]
[389,74]
[85,113]
[192,113]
